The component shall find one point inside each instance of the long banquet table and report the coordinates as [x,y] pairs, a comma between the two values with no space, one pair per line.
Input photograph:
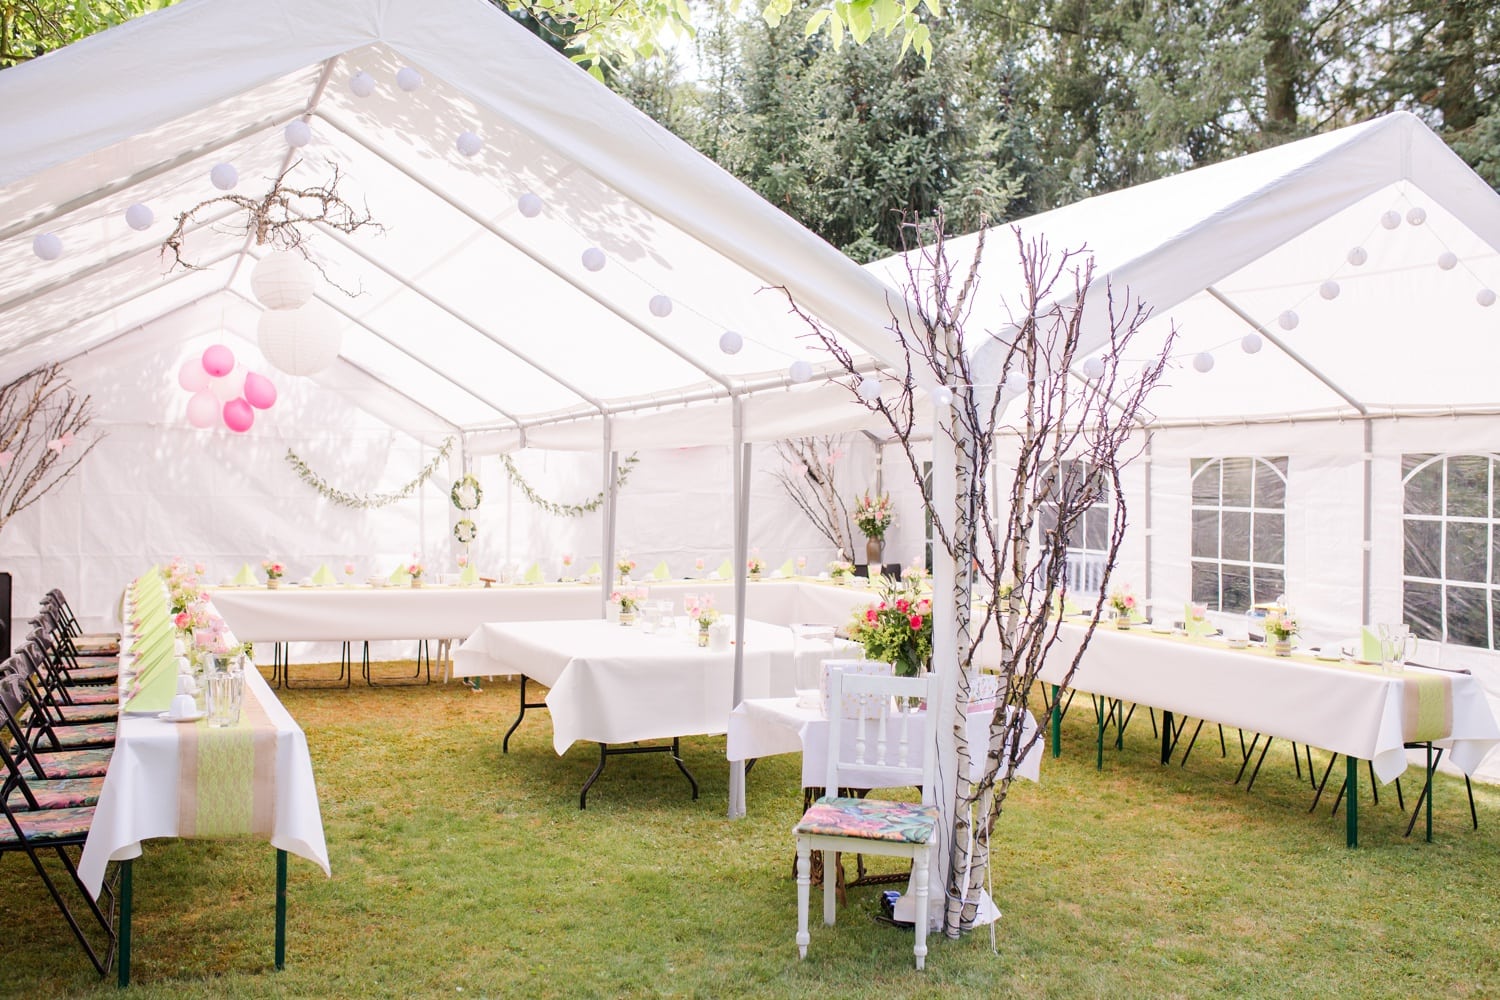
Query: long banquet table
[1350,709]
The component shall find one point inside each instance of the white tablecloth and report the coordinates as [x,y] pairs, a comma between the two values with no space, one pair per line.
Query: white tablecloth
[336,614]
[764,727]
[615,684]
[140,796]
[1349,711]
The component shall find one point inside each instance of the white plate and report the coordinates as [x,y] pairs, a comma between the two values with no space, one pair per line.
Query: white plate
[168,717]
[1161,629]
[1331,655]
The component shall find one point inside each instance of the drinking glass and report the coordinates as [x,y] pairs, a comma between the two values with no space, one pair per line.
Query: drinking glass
[811,644]
[224,690]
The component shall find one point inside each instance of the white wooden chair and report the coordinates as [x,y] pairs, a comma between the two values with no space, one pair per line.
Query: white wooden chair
[889,736]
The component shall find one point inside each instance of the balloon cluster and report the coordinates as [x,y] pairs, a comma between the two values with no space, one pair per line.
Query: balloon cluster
[223,390]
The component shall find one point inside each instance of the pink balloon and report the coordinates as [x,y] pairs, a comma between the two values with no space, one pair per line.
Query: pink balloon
[260,392]
[218,360]
[191,376]
[202,409]
[238,416]
[227,387]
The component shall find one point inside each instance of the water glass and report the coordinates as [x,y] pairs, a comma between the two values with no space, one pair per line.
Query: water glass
[224,690]
[1396,645]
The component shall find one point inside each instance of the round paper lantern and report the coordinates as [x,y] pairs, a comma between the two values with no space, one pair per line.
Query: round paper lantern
[260,392]
[362,84]
[1288,320]
[218,360]
[593,259]
[1093,368]
[238,416]
[1485,297]
[941,395]
[1416,215]
[1250,343]
[1329,289]
[529,205]
[298,341]
[227,387]
[1015,381]
[224,176]
[731,342]
[1390,219]
[202,410]
[799,371]
[1204,362]
[47,246]
[297,133]
[869,388]
[1357,256]
[191,375]
[661,306]
[283,280]
[139,217]
[408,79]
[1447,260]
[468,143]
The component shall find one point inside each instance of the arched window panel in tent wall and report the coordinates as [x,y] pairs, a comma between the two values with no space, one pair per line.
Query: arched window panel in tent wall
[1451,551]
[1238,531]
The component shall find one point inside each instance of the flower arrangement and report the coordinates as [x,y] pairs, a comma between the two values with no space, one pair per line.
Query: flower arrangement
[915,574]
[703,612]
[415,570]
[466,493]
[1123,602]
[349,570]
[897,630]
[465,530]
[626,599]
[463,560]
[873,515]
[567,560]
[841,570]
[801,565]
[272,568]
[698,564]
[1282,628]
[625,566]
[755,565]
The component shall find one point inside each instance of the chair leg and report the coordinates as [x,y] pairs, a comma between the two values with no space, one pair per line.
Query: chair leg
[830,888]
[804,890]
[919,873]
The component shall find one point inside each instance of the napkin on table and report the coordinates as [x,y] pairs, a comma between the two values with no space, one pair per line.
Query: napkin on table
[594,570]
[788,568]
[724,572]
[1197,628]
[469,575]
[1369,645]
[245,577]
[324,577]
[533,573]
[400,575]
[661,572]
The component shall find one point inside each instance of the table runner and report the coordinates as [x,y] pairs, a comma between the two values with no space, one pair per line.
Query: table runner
[228,775]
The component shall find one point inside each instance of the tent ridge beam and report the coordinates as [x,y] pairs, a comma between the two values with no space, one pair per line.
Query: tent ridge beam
[501,235]
[406,396]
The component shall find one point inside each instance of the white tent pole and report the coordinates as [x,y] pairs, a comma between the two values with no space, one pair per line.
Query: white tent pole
[611,499]
[1146,516]
[1368,541]
[740,457]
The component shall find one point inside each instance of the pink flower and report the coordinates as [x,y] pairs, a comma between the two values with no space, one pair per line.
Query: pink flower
[567,558]
[698,563]
[182,619]
[199,568]
[349,568]
[903,605]
[916,621]
[1130,600]
[463,560]
[871,615]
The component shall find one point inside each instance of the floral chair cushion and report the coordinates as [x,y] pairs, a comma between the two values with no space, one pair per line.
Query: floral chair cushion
[870,819]
[93,675]
[76,763]
[89,734]
[100,712]
[48,824]
[61,793]
[97,695]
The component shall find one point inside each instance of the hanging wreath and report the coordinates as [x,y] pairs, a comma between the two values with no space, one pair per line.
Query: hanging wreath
[466,494]
[565,509]
[465,530]
[365,501]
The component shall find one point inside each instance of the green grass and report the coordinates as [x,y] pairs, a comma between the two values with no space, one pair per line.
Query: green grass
[459,871]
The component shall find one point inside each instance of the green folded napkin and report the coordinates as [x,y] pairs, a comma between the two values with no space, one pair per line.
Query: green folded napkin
[788,568]
[1197,628]
[594,570]
[400,575]
[1369,645]
[725,570]
[155,685]
[245,577]
[661,572]
[533,573]
[470,574]
[324,577]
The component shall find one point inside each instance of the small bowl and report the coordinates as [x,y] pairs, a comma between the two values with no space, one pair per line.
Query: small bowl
[1235,643]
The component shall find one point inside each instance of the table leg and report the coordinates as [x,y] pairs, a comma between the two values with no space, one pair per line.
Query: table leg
[280,909]
[1166,736]
[1429,791]
[606,751]
[1056,721]
[1351,800]
[505,743]
[122,955]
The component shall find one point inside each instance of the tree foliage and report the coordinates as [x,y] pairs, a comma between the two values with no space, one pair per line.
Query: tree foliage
[30,28]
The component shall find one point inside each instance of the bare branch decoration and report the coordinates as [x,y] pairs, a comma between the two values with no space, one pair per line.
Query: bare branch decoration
[41,418]
[809,480]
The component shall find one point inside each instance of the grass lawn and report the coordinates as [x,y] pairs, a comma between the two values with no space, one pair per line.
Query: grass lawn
[459,871]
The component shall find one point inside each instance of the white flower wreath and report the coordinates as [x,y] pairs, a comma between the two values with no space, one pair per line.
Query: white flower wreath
[466,493]
[465,530]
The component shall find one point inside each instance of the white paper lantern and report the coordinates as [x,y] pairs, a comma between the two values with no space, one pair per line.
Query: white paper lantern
[800,371]
[139,217]
[224,176]
[1015,381]
[408,79]
[1250,343]
[1329,289]
[468,143]
[661,306]
[1416,215]
[869,388]
[47,246]
[593,259]
[1447,260]
[283,280]
[297,133]
[299,341]
[1093,368]
[529,205]
[941,396]
[1485,297]
[1357,256]
[362,84]
[731,342]
[1204,362]
[1288,319]
[1390,219]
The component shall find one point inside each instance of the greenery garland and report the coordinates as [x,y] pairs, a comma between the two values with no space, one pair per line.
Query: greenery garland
[466,494]
[366,501]
[569,509]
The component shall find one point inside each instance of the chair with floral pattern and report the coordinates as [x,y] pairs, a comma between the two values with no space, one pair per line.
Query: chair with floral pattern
[888,733]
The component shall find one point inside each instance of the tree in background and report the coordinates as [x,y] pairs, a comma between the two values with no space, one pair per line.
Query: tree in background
[30,28]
